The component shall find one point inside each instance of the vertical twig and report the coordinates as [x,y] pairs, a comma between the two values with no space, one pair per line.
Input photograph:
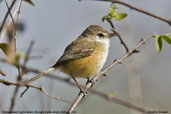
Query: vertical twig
[5,18]
[119,36]
[28,53]
[6,1]
[19,78]
[16,26]
[9,22]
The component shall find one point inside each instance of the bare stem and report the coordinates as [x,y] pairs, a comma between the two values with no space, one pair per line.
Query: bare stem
[5,18]
[138,9]
[119,36]
[95,78]
[8,83]
[6,1]
[9,22]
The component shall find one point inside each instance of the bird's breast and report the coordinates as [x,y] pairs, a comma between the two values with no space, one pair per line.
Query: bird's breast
[87,66]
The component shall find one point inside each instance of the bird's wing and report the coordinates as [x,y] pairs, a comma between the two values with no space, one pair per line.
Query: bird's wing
[77,49]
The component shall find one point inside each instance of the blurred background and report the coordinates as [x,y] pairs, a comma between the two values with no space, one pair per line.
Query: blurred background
[143,79]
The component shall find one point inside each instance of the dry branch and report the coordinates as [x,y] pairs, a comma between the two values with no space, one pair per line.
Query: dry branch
[138,9]
[53,77]
[5,18]
[8,83]
[95,78]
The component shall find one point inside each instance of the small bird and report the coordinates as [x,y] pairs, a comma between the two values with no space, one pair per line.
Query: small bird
[84,57]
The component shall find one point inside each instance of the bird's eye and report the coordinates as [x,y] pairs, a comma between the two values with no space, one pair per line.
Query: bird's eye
[100,35]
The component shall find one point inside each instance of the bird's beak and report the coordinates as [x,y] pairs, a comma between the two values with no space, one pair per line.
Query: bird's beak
[112,35]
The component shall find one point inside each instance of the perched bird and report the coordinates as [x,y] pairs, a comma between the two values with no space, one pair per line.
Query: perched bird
[84,57]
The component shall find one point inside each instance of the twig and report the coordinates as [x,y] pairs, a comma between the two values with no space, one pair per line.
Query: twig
[8,83]
[103,95]
[119,101]
[28,53]
[25,62]
[9,22]
[54,97]
[13,99]
[17,26]
[5,18]
[19,77]
[132,51]
[6,1]
[139,10]
[119,36]
[24,92]
[95,78]
[2,73]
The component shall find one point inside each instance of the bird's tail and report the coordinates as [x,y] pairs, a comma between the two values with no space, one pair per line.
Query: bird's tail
[38,75]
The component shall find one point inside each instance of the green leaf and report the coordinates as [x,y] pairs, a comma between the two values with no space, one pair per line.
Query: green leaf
[159,43]
[4,47]
[30,2]
[113,14]
[120,16]
[166,38]
[104,18]
[113,11]
[113,7]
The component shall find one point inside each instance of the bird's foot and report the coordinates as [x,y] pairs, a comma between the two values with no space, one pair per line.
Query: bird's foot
[82,91]
[89,80]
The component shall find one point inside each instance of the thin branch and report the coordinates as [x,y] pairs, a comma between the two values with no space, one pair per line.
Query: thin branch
[19,77]
[95,78]
[24,92]
[2,73]
[5,18]
[28,53]
[9,22]
[119,101]
[103,95]
[25,62]
[22,71]
[17,26]
[6,1]
[138,9]
[119,36]
[13,99]
[8,83]
[54,97]
[26,58]
[124,103]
